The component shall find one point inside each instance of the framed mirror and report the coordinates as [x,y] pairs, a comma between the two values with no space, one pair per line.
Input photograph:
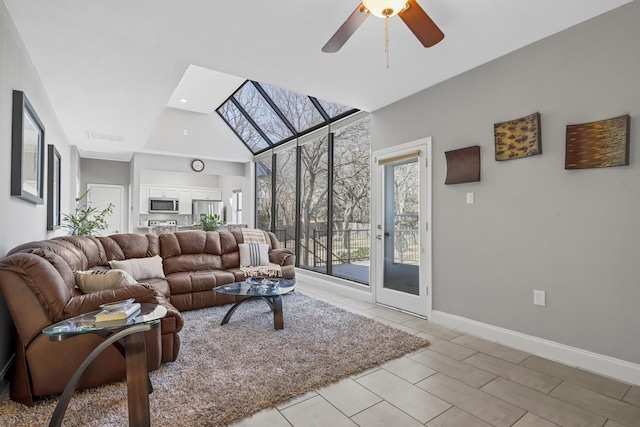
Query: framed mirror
[53,188]
[27,151]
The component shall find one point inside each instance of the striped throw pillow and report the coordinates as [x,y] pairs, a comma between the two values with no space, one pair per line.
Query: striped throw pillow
[253,254]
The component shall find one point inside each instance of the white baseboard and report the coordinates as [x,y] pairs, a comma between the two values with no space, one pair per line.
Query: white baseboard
[604,365]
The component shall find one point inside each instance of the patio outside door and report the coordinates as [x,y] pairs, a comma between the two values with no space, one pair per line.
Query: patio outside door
[401,231]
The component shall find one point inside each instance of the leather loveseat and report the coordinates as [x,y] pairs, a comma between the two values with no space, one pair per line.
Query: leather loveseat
[38,284]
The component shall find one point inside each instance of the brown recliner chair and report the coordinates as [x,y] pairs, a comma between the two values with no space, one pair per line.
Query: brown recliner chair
[39,289]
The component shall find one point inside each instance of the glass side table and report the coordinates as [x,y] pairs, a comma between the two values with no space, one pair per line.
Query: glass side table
[128,337]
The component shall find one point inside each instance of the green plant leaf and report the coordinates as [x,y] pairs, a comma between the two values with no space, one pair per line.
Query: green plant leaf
[87,220]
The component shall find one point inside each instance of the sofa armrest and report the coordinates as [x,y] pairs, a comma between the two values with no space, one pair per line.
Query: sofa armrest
[85,303]
[282,256]
[172,312]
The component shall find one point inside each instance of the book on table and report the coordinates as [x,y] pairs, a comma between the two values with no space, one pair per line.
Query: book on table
[122,313]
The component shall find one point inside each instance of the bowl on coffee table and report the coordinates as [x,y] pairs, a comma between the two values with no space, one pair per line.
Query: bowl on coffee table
[262,281]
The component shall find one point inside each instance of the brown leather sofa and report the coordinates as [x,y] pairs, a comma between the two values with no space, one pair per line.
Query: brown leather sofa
[38,284]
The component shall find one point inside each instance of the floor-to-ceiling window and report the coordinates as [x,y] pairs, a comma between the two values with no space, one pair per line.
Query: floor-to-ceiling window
[321,199]
[313,251]
[312,174]
[351,223]
[264,202]
[285,197]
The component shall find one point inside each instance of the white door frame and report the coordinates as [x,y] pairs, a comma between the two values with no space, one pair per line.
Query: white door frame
[421,305]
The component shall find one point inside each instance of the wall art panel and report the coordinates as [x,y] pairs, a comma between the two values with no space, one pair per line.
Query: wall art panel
[518,138]
[463,165]
[600,144]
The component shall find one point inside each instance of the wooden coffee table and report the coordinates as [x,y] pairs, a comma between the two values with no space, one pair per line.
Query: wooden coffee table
[271,294]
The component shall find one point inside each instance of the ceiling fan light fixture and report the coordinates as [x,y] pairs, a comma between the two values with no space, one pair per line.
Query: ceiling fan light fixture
[385,8]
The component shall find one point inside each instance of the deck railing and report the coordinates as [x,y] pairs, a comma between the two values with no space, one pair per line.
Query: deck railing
[350,246]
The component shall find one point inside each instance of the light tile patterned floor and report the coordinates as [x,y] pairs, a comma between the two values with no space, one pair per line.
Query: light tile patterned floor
[458,381]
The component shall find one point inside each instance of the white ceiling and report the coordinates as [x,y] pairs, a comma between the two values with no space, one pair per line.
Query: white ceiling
[115,70]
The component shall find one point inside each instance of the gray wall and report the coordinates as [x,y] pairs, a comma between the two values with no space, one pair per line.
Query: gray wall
[534,225]
[21,221]
[103,172]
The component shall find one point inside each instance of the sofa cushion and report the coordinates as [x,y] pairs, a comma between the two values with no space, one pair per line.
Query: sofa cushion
[99,280]
[160,285]
[193,262]
[141,268]
[197,281]
[129,245]
[253,254]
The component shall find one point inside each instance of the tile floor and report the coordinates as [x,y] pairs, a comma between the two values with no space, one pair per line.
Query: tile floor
[459,380]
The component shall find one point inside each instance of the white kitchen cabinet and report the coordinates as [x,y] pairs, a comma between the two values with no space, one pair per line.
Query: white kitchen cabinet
[206,194]
[184,200]
[144,200]
[198,194]
[156,192]
[163,192]
[171,193]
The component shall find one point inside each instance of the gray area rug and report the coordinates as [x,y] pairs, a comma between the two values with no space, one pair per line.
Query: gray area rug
[226,373]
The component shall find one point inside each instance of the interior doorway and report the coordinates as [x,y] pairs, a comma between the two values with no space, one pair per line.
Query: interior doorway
[402,234]
[100,195]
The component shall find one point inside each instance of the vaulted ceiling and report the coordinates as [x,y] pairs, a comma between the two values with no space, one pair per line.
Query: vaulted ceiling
[116,70]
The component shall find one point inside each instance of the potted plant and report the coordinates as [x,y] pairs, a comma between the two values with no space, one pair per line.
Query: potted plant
[209,222]
[87,220]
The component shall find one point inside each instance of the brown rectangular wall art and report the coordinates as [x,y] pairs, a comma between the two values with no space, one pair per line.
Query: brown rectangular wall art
[518,138]
[463,165]
[599,144]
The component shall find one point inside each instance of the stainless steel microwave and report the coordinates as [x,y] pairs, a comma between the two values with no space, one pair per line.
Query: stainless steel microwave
[163,206]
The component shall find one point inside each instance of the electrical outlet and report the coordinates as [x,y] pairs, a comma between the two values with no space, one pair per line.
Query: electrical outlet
[539,298]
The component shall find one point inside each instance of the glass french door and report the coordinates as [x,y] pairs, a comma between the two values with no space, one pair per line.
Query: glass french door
[402,235]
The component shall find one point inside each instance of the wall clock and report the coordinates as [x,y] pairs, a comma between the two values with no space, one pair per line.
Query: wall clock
[197,165]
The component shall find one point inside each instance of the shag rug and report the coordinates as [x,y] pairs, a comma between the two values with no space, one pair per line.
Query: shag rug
[226,373]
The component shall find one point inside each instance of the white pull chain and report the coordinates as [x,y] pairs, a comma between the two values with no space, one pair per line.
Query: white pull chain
[386,38]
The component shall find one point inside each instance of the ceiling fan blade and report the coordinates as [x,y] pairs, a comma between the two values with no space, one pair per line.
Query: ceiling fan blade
[346,30]
[421,25]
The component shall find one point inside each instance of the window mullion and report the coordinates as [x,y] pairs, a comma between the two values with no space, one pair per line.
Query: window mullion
[316,104]
[330,204]
[250,120]
[275,108]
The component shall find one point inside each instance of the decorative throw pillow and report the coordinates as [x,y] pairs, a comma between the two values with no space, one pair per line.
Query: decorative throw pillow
[253,254]
[99,280]
[141,268]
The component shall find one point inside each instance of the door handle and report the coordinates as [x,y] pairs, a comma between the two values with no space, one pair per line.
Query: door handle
[386,236]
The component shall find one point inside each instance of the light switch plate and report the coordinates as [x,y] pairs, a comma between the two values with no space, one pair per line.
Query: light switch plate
[539,298]
[470,198]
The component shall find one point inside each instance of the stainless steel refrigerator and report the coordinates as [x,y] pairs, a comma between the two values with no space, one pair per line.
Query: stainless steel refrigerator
[208,207]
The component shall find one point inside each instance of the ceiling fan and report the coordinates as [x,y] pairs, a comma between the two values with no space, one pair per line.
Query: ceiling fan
[408,10]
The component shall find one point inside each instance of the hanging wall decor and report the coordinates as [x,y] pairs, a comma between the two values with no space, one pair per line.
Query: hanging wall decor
[463,165]
[27,151]
[518,138]
[600,144]
[53,188]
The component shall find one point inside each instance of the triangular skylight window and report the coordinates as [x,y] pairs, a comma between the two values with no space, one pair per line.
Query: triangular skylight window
[264,116]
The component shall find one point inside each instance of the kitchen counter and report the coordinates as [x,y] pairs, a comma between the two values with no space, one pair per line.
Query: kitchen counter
[146,230]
